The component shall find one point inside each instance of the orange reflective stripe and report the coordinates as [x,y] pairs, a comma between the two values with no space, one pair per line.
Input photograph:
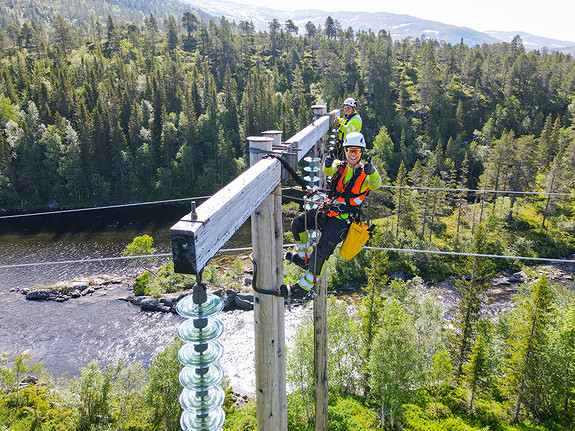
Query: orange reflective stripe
[355,190]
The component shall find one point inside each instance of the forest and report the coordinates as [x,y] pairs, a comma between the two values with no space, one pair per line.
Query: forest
[115,111]
[477,145]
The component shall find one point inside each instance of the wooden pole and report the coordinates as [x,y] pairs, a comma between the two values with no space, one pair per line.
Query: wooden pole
[320,320]
[199,235]
[276,135]
[268,315]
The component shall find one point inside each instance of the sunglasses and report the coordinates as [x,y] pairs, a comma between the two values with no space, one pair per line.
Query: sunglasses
[353,150]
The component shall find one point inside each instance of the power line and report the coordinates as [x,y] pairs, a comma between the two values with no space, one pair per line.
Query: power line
[102,208]
[69,262]
[517,192]
[107,259]
[404,250]
[454,253]
[447,189]
[292,197]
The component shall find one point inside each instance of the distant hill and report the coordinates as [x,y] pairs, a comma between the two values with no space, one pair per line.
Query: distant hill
[399,26]
[81,12]
[530,41]
[568,50]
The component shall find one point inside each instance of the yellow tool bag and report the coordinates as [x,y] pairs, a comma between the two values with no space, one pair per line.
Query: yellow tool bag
[357,236]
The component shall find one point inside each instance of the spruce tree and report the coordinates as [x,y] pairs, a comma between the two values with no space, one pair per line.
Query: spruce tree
[476,370]
[525,380]
[471,286]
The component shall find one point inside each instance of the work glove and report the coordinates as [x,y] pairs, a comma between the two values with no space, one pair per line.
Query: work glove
[368,168]
[328,161]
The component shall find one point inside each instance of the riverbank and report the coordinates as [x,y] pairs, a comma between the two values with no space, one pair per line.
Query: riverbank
[496,302]
[143,327]
[123,287]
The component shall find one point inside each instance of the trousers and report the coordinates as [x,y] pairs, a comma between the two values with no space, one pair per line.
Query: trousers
[333,231]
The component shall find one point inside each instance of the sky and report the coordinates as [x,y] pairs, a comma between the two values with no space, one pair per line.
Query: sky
[548,18]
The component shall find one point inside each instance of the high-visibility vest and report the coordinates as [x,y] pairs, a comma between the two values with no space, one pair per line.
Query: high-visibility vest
[346,198]
[352,123]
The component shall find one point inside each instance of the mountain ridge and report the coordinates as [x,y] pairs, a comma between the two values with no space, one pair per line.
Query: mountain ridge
[399,26]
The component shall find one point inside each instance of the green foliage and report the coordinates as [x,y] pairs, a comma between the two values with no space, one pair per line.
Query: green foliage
[409,373]
[349,414]
[300,412]
[396,363]
[93,391]
[141,283]
[164,388]
[472,285]
[35,405]
[164,280]
[234,275]
[370,310]
[525,365]
[344,273]
[344,358]
[141,245]
[299,367]
[476,370]
[416,419]
[212,274]
[130,410]
[440,372]
[243,419]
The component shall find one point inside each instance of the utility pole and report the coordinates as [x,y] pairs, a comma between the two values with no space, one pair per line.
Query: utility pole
[320,318]
[199,235]
[267,237]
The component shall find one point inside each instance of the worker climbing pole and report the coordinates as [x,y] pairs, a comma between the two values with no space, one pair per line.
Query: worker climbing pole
[198,236]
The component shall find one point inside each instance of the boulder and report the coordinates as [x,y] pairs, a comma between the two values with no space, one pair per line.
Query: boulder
[38,295]
[230,300]
[75,293]
[154,304]
[244,302]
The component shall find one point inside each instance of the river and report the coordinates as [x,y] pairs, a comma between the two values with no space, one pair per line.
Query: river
[66,336]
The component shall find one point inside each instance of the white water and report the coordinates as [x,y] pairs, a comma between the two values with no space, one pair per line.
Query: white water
[67,336]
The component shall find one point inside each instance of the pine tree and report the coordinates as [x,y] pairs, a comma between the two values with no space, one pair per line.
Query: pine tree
[190,23]
[462,184]
[472,285]
[525,380]
[5,155]
[400,182]
[476,370]
[172,36]
[63,34]
[371,308]
[113,42]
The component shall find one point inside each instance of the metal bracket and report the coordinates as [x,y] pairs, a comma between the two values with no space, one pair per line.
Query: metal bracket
[274,292]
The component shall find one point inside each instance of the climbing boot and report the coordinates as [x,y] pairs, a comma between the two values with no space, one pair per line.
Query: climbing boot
[298,292]
[296,259]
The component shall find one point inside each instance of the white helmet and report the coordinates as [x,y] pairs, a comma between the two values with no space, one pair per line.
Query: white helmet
[354,139]
[350,101]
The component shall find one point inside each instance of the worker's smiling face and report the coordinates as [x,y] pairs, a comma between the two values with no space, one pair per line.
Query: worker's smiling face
[348,110]
[353,156]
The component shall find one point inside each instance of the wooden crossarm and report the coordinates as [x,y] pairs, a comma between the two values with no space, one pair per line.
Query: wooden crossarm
[194,243]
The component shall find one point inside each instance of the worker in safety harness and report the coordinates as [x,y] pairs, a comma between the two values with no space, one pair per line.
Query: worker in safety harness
[350,123]
[351,181]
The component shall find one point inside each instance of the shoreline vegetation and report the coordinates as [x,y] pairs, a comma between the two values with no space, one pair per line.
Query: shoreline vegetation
[435,404]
